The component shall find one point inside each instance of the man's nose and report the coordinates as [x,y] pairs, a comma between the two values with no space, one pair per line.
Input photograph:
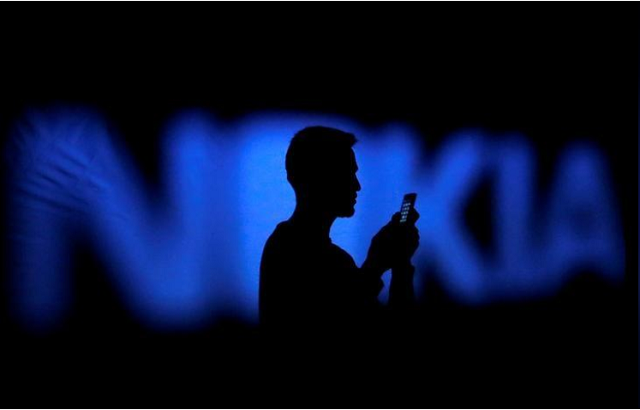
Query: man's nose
[358,187]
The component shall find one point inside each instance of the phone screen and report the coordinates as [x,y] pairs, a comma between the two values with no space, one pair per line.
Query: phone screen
[408,202]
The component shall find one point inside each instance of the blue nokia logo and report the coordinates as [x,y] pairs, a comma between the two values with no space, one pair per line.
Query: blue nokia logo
[181,261]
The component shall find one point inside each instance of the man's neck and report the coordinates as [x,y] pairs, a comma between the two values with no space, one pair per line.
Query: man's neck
[313,221]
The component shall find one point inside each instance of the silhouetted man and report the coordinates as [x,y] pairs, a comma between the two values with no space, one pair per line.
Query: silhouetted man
[307,283]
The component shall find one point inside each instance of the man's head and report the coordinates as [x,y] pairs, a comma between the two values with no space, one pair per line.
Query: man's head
[321,167]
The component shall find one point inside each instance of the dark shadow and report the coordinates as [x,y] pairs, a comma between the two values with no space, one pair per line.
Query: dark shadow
[308,284]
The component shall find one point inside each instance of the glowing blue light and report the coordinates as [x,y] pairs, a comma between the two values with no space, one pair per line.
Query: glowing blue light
[582,225]
[445,186]
[386,158]
[518,271]
[182,261]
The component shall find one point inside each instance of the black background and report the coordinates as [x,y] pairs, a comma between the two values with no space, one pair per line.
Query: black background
[555,73]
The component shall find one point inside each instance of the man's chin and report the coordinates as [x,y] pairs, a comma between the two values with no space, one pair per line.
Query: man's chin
[347,213]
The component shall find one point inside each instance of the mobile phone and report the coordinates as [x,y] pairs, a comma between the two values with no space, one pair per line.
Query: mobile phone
[408,203]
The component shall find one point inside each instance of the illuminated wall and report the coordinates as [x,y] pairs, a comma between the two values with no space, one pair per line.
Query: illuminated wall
[181,259]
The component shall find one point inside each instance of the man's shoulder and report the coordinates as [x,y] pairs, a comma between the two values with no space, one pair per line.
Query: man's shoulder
[281,232]
[281,237]
[343,255]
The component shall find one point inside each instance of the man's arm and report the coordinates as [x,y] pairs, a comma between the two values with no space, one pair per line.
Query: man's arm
[372,275]
[401,292]
[392,248]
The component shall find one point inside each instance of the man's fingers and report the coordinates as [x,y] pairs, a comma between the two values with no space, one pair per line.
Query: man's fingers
[413,216]
[414,236]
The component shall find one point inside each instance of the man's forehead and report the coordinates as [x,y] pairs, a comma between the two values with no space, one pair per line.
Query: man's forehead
[354,162]
[350,160]
[344,161]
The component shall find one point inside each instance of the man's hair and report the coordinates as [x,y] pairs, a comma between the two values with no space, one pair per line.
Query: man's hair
[311,150]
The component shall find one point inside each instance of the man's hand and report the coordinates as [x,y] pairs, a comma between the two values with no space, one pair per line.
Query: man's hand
[394,244]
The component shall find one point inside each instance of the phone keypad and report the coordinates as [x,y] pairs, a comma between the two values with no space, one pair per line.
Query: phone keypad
[404,211]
